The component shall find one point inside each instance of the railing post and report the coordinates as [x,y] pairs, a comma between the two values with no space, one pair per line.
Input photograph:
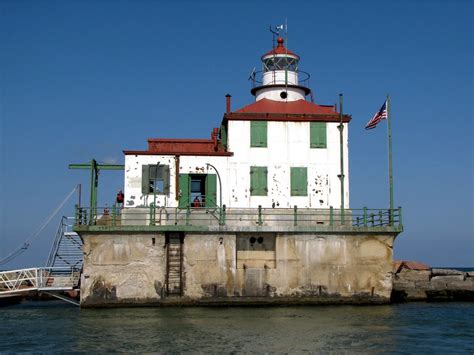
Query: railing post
[400,224]
[260,222]
[365,217]
[295,215]
[222,220]
[188,214]
[151,214]
[77,219]
[381,218]
[372,219]
[113,214]
[358,221]
[331,216]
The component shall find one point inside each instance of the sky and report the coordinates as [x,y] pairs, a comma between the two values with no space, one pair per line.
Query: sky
[88,79]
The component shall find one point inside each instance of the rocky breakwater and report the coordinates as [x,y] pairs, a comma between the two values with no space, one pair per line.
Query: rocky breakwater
[414,281]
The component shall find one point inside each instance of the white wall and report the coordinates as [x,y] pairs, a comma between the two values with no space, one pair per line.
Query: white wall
[288,146]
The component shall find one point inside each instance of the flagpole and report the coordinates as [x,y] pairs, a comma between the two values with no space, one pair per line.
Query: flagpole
[341,150]
[390,173]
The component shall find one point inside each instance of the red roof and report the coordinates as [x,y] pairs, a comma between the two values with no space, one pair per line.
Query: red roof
[177,146]
[280,49]
[411,265]
[287,107]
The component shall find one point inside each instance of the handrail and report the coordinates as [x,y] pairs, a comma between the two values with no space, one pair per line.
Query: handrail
[261,216]
[303,78]
[43,278]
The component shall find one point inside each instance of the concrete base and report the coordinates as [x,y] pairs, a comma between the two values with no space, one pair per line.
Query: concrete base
[297,268]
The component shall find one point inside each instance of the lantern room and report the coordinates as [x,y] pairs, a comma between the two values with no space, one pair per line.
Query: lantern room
[280,76]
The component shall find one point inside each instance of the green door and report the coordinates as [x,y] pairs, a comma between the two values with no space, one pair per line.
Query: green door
[211,190]
[185,193]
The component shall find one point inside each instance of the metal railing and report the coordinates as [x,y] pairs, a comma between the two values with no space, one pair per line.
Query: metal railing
[257,79]
[41,279]
[277,217]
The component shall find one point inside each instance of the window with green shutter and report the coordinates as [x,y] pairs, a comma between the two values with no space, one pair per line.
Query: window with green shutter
[258,133]
[317,134]
[155,179]
[258,181]
[299,181]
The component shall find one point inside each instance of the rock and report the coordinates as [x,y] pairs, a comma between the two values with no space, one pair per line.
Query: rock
[470,274]
[452,282]
[414,275]
[436,272]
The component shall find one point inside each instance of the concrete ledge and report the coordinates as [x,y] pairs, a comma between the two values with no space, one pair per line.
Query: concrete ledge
[432,285]
[329,299]
[237,229]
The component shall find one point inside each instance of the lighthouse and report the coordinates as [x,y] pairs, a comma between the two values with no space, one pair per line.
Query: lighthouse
[258,213]
[280,76]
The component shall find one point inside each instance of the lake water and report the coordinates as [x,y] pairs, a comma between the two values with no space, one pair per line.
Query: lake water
[409,328]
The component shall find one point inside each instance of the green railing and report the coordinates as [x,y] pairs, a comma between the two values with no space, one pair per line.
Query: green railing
[206,216]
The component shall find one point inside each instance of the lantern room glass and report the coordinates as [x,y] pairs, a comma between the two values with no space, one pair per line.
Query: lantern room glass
[280,63]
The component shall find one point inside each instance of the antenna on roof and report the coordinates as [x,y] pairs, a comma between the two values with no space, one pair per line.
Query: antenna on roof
[275,32]
[252,75]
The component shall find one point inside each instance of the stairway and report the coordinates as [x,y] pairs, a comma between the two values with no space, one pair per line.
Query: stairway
[66,251]
[174,265]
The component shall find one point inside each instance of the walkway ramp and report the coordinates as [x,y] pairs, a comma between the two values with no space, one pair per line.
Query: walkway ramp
[38,279]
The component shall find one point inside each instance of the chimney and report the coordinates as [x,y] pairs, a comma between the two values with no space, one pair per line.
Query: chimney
[227,103]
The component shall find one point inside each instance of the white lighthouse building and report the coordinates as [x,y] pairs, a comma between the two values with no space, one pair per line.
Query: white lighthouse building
[280,151]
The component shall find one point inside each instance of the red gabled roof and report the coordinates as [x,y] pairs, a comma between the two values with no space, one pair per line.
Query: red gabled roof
[280,49]
[302,107]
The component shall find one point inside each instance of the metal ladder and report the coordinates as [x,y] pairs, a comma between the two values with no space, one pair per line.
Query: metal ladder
[174,265]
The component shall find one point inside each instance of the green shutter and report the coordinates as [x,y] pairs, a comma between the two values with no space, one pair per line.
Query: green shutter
[299,182]
[145,179]
[258,181]
[184,182]
[258,133]
[224,135]
[211,192]
[317,134]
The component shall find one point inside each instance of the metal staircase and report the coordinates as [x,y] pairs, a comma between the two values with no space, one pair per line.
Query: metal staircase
[66,251]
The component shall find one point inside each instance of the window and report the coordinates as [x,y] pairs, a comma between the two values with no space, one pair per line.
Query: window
[258,181]
[280,63]
[317,134]
[258,133]
[155,179]
[299,182]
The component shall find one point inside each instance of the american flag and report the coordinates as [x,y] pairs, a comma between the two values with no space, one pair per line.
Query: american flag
[379,116]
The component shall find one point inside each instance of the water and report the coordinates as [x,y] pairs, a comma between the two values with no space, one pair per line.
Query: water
[408,328]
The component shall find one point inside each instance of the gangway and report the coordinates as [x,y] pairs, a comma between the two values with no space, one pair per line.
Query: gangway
[61,273]
[45,279]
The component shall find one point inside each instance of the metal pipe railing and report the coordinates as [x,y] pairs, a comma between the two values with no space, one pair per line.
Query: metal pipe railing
[190,216]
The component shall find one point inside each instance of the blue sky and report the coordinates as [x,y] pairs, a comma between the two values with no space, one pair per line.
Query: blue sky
[88,79]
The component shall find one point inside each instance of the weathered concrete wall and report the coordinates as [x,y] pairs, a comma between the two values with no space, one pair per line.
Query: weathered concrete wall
[297,268]
[122,268]
[308,267]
